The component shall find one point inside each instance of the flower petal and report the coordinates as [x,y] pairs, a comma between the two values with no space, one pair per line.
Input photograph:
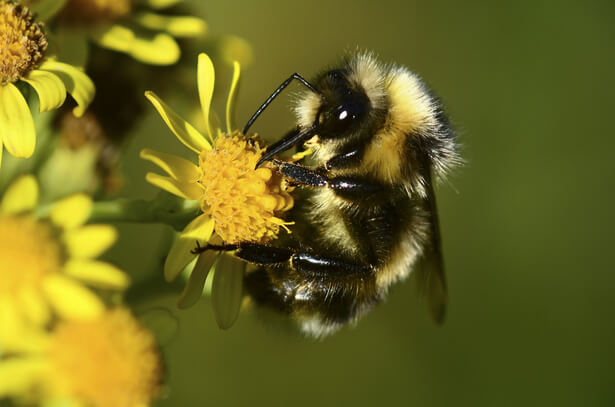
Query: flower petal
[186,190]
[72,211]
[205,77]
[194,287]
[177,167]
[45,9]
[21,195]
[16,124]
[227,290]
[89,241]
[18,376]
[183,130]
[231,48]
[70,299]
[50,89]
[34,306]
[78,84]
[97,273]
[231,102]
[201,229]
[11,321]
[177,26]
[156,49]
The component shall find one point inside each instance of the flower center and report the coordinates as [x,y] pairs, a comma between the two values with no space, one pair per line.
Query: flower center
[28,251]
[108,362]
[245,203]
[96,11]
[22,42]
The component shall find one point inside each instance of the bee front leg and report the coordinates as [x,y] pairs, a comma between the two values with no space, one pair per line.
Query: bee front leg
[350,187]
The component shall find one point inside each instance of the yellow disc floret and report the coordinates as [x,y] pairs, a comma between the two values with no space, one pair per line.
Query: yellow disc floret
[22,42]
[111,361]
[29,252]
[244,202]
[93,11]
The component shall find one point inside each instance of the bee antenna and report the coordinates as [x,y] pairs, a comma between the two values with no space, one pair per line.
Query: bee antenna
[275,94]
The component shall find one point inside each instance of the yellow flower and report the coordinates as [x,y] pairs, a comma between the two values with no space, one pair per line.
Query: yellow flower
[22,58]
[124,26]
[45,263]
[108,361]
[239,203]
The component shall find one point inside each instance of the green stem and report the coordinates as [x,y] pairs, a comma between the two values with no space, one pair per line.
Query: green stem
[173,212]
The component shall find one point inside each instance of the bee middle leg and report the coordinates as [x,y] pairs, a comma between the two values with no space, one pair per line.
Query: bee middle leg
[302,262]
[310,285]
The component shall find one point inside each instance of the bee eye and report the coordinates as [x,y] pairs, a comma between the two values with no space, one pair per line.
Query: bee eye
[336,75]
[339,120]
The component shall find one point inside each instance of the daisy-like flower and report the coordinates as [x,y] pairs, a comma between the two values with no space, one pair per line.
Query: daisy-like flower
[133,27]
[47,263]
[238,202]
[107,361]
[22,58]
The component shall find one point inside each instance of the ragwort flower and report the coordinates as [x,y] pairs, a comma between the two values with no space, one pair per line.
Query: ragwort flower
[129,27]
[22,58]
[107,361]
[238,202]
[46,263]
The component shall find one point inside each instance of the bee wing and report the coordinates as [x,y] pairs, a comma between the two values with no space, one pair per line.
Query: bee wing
[431,268]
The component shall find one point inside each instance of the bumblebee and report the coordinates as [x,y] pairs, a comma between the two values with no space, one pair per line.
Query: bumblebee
[379,138]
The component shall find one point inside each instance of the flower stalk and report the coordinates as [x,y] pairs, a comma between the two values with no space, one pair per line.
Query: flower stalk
[164,209]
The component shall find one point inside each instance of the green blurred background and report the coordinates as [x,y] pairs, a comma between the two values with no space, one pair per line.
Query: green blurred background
[527,223]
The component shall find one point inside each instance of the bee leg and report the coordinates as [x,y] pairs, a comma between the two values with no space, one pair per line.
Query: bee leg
[301,174]
[323,293]
[350,187]
[302,262]
[324,268]
[350,159]
[223,248]
[261,254]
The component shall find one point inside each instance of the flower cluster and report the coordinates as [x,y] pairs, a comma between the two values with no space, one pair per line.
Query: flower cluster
[72,75]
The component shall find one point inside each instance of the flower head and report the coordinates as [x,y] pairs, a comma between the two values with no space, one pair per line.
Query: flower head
[46,263]
[23,39]
[135,29]
[239,203]
[107,361]
[22,58]
[242,201]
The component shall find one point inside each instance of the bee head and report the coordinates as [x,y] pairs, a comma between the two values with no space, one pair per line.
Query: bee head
[344,107]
